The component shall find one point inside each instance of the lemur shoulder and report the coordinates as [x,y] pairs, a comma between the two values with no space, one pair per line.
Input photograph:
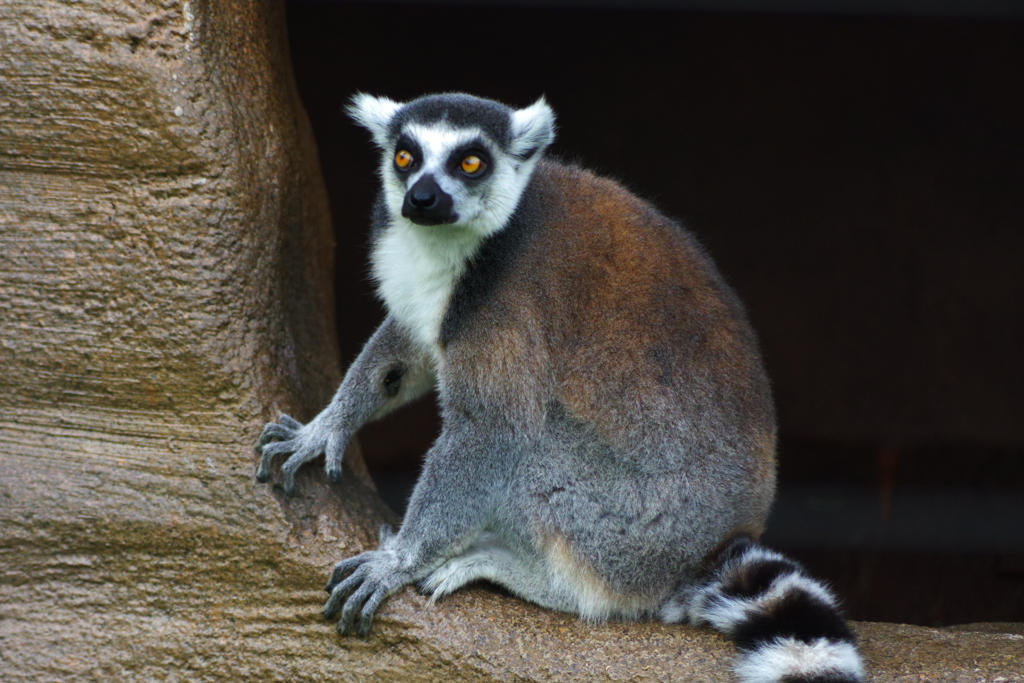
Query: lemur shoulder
[608,438]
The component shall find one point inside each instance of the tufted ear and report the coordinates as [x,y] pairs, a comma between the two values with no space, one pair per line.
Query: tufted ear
[533,129]
[374,114]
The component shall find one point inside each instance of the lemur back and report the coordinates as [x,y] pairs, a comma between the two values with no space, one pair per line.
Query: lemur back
[631,319]
[608,440]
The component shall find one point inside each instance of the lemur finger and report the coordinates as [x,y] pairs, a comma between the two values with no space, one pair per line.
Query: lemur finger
[292,464]
[342,591]
[273,431]
[263,473]
[344,567]
[334,453]
[275,448]
[352,605]
[290,422]
[369,609]
[269,451]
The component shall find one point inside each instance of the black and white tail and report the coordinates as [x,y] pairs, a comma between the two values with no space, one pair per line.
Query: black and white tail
[786,625]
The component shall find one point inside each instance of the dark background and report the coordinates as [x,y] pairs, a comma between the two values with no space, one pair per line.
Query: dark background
[859,179]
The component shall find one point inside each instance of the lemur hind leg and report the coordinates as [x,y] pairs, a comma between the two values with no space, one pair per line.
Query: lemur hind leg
[488,559]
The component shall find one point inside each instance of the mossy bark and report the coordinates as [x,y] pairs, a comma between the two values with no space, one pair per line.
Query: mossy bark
[165,288]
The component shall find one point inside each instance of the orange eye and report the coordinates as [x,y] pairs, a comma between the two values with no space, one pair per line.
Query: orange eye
[472,164]
[403,159]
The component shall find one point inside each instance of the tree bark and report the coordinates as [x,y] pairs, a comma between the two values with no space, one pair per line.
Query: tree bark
[165,288]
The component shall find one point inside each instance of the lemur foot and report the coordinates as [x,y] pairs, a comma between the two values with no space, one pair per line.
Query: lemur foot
[305,443]
[375,575]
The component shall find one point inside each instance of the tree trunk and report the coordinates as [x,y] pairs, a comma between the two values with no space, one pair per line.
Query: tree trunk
[165,288]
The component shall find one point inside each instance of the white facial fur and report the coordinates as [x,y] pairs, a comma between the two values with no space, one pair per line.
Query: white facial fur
[416,266]
[484,209]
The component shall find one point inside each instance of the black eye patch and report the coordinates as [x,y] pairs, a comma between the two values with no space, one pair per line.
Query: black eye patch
[406,143]
[477,149]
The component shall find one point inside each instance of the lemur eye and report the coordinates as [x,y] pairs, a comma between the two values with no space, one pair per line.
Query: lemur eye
[403,159]
[472,165]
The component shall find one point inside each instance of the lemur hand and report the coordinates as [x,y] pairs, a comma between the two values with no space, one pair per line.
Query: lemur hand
[304,442]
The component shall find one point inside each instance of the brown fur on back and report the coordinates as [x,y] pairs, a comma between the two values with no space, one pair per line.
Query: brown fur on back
[615,311]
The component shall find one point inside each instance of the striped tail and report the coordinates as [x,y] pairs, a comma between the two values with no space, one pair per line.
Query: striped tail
[787,626]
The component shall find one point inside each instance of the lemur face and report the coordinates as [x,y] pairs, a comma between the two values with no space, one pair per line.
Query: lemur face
[443,173]
[455,160]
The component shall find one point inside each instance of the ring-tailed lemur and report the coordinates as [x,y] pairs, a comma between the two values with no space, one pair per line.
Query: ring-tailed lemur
[608,441]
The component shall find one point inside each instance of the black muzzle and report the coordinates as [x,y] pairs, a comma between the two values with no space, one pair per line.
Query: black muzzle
[427,204]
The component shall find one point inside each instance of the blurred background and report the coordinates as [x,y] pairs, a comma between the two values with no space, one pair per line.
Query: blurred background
[858,176]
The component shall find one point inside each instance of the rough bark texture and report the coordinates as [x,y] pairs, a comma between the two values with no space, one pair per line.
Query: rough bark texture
[165,263]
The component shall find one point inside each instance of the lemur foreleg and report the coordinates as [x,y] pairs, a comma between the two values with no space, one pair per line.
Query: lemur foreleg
[389,372]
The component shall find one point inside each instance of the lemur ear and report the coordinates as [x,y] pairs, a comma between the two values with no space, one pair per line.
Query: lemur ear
[533,129]
[374,114]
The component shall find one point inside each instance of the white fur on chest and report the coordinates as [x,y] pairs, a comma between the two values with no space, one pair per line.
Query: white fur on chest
[417,268]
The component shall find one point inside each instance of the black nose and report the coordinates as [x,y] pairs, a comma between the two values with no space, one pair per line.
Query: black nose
[427,204]
[423,197]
